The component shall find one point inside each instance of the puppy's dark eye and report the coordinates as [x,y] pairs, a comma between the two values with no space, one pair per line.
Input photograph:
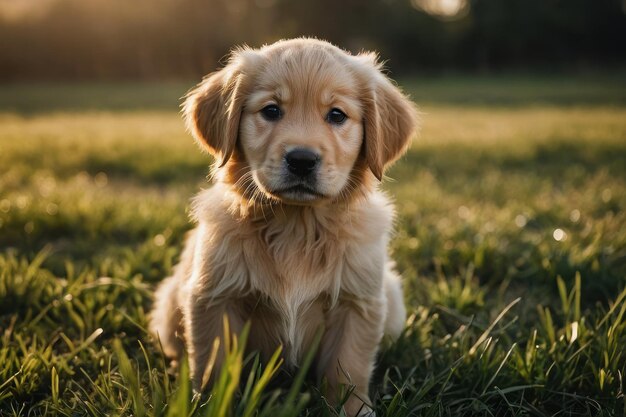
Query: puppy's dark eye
[271,112]
[336,116]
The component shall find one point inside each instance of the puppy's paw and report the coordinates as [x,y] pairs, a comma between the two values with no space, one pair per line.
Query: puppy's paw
[366,412]
[354,407]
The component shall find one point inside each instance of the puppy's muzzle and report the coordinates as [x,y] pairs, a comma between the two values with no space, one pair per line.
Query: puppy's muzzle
[302,162]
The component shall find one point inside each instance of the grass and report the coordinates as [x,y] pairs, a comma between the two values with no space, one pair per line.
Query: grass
[511,238]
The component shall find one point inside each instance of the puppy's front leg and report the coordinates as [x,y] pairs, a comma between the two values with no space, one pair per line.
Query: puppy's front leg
[204,323]
[348,350]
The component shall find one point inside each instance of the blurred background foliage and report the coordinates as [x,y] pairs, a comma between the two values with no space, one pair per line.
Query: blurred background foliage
[182,39]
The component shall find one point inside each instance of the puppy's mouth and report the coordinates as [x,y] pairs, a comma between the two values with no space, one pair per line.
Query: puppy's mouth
[298,193]
[288,190]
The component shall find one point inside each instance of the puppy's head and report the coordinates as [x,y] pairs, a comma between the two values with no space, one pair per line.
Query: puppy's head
[300,121]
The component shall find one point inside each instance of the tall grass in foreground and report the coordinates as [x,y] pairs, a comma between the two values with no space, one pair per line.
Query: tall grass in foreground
[569,360]
[511,239]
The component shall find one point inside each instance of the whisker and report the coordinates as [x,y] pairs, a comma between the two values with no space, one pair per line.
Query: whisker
[243,179]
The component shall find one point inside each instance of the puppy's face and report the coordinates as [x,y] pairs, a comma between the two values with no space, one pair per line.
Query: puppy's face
[301,129]
[300,121]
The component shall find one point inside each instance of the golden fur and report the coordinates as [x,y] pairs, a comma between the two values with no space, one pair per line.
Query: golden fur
[292,261]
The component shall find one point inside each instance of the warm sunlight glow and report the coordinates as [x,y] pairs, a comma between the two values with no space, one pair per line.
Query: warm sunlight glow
[442,8]
[17,9]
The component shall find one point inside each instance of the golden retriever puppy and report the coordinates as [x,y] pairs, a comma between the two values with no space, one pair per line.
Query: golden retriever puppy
[293,234]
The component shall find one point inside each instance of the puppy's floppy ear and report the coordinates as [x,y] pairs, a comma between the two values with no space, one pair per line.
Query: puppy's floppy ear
[390,118]
[212,110]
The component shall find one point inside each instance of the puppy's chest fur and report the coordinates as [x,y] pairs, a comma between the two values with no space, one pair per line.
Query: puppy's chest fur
[301,279]
[303,255]
[290,267]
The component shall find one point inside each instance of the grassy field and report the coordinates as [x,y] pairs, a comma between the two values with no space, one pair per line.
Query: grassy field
[511,238]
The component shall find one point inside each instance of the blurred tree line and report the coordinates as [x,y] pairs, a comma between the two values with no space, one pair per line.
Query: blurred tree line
[118,39]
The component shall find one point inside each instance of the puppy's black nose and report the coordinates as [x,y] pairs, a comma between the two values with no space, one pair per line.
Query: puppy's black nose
[301,162]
